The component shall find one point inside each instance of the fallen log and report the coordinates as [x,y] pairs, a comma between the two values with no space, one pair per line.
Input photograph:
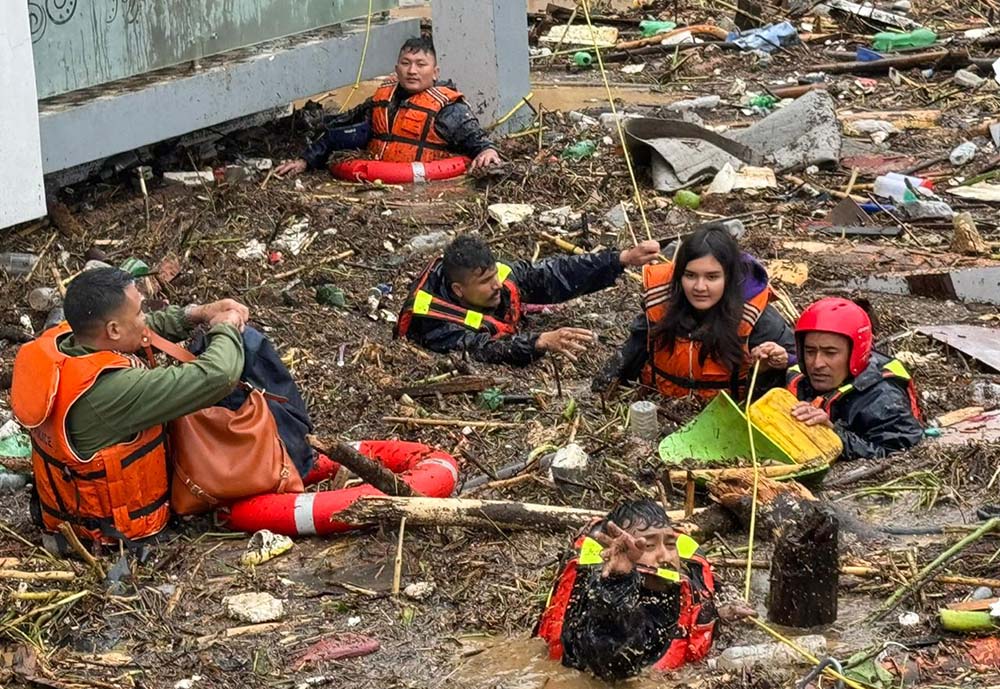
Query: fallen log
[680,475]
[453,386]
[696,30]
[489,514]
[369,471]
[882,66]
[805,571]
[855,475]
[796,91]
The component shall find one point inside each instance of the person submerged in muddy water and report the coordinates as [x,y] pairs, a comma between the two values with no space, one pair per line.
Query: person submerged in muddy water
[635,594]
[706,319]
[866,397]
[466,301]
[412,118]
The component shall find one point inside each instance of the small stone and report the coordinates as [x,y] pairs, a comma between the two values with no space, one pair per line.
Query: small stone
[982,593]
[420,590]
[254,607]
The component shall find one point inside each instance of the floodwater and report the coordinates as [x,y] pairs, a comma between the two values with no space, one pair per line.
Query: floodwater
[524,664]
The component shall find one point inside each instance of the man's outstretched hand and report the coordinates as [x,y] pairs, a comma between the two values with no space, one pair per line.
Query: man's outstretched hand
[621,551]
[485,159]
[223,311]
[567,341]
[640,254]
[291,167]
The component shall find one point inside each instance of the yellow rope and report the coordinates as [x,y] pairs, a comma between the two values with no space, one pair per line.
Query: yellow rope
[585,4]
[756,482]
[361,66]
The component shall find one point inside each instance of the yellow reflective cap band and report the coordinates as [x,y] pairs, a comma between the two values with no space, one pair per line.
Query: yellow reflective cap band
[422,302]
[846,388]
[590,552]
[686,546]
[795,369]
[503,271]
[896,368]
[473,319]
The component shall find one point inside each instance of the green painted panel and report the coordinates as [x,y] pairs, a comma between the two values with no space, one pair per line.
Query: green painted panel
[81,43]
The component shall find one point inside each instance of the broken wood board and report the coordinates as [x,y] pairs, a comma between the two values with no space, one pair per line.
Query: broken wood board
[603,36]
[979,284]
[984,428]
[982,344]
[900,119]
[958,416]
[981,191]
[788,272]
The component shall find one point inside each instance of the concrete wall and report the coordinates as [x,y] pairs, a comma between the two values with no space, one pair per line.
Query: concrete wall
[22,194]
[483,46]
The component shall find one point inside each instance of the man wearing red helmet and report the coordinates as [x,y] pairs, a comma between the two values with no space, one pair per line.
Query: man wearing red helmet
[865,396]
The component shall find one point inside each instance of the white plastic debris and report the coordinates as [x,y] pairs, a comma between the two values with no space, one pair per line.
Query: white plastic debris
[748,177]
[187,683]
[634,69]
[420,590]
[509,213]
[427,243]
[995,610]
[909,619]
[190,179]
[353,621]
[293,237]
[254,607]
[963,153]
[252,250]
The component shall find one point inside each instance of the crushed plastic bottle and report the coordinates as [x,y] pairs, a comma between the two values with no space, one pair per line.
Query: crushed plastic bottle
[737,658]
[894,186]
[16,264]
[432,242]
[702,103]
[967,79]
[963,153]
[766,39]
[764,101]
[892,40]
[650,27]
[579,150]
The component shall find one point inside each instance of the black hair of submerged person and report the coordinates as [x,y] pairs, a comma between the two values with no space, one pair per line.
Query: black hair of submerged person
[464,255]
[93,296]
[718,328]
[638,515]
[418,44]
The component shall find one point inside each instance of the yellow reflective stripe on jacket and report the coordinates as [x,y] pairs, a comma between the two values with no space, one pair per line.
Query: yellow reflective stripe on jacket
[473,319]
[590,552]
[896,368]
[422,302]
[503,271]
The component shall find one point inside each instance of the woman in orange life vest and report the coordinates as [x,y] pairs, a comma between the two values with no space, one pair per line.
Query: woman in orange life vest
[706,319]
[635,594]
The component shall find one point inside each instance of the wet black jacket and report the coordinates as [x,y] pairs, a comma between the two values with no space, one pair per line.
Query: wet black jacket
[455,123]
[615,627]
[875,418]
[550,281]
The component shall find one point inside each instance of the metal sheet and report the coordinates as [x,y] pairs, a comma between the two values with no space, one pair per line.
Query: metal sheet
[82,43]
[982,344]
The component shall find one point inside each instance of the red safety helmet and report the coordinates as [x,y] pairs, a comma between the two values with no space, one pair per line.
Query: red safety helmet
[843,317]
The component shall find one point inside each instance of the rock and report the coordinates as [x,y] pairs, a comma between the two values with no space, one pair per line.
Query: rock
[982,593]
[420,590]
[909,619]
[509,213]
[616,217]
[966,239]
[558,217]
[254,608]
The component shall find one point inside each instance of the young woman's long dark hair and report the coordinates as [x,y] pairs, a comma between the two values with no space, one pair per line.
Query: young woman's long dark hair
[718,328]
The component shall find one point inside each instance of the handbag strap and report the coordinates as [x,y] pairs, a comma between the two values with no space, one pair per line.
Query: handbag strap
[171,349]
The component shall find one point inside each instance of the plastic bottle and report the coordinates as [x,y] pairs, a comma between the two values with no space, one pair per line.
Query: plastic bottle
[642,420]
[687,199]
[893,186]
[43,298]
[11,483]
[583,59]
[16,264]
[428,243]
[967,79]
[891,40]
[764,100]
[737,658]
[963,153]
[580,150]
[701,103]
[866,55]
[649,27]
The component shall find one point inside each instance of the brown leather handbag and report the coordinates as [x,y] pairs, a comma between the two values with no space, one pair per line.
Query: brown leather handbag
[219,455]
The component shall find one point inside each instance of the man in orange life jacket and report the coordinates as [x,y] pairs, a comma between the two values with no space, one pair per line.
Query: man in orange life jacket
[635,594]
[466,301]
[866,397]
[96,414]
[413,118]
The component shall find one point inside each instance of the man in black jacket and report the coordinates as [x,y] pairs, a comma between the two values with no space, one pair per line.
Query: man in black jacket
[866,397]
[400,108]
[466,301]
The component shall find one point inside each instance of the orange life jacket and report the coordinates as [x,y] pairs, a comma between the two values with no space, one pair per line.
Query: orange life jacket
[692,647]
[423,303]
[121,492]
[679,372]
[409,136]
